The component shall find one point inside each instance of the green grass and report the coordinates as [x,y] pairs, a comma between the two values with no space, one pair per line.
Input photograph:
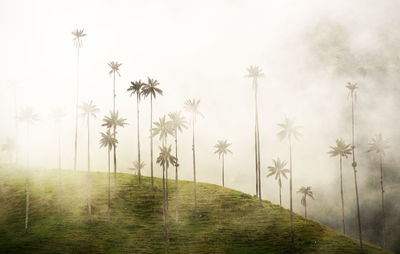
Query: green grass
[227,221]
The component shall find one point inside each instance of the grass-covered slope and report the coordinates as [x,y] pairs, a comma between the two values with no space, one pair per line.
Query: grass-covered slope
[227,221]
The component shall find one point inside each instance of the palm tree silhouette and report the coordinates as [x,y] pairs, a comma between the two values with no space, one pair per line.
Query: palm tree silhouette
[222,149]
[254,72]
[137,167]
[9,147]
[192,106]
[178,123]
[379,145]
[58,116]
[278,169]
[30,118]
[78,34]
[165,158]
[151,89]
[112,122]
[352,92]
[114,69]
[288,131]
[107,140]
[136,88]
[89,110]
[342,150]
[305,191]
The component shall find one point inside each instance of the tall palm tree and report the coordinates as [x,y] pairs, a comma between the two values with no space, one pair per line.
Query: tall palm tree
[58,116]
[379,145]
[278,169]
[192,106]
[222,149]
[30,118]
[305,191]
[112,122]
[352,92]
[78,35]
[107,140]
[178,123]
[254,72]
[165,158]
[137,167]
[151,89]
[288,131]
[136,88]
[114,70]
[9,147]
[89,110]
[342,150]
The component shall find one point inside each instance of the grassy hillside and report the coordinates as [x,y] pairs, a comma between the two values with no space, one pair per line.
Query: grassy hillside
[227,221]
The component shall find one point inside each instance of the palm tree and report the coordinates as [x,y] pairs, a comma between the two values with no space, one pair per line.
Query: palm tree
[352,92]
[112,122]
[305,191]
[151,89]
[343,150]
[58,116]
[164,159]
[379,145]
[178,123]
[136,88]
[222,149]
[29,118]
[114,69]
[107,140]
[137,167]
[192,107]
[278,169]
[78,34]
[89,110]
[9,147]
[288,131]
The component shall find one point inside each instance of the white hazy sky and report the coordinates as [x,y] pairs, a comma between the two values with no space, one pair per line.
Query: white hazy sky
[195,49]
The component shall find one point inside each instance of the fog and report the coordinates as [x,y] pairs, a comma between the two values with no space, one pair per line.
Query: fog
[308,51]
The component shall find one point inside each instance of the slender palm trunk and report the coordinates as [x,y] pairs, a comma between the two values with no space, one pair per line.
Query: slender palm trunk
[256,158]
[291,194]
[383,205]
[114,135]
[27,183]
[194,164]
[305,206]
[88,174]
[176,176]
[151,140]
[76,109]
[138,138]
[59,169]
[164,206]
[280,191]
[354,165]
[257,141]
[341,194]
[166,180]
[223,169]
[109,185]
[16,127]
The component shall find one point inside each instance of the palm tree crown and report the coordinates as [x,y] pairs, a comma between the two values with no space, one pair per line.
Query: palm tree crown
[306,191]
[114,120]
[340,149]
[28,116]
[193,107]
[162,128]
[151,88]
[165,158]
[352,88]
[378,145]
[278,169]
[78,34]
[89,109]
[114,67]
[178,122]
[136,88]
[137,167]
[254,72]
[222,147]
[289,130]
[108,140]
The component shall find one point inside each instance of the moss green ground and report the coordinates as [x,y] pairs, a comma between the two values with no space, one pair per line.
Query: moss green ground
[227,221]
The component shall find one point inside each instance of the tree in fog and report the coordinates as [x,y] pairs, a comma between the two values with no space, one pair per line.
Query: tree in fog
[178,123]
[352,87]
[222,149]
[29,118]
[151,89]
[254,72]
[379,145]
[288,131]
[192,106]
[136,88]
[112,122]
[137,167]
[342,150]
[9,147]
[108,141]
[78,35]
[279,170]
[306,192]
[89,110]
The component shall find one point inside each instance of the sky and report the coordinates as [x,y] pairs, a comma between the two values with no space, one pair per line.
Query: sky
[201,49]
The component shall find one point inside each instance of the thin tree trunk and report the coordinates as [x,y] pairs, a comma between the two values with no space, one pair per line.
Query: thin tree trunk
[151,140]
[354,164]
[114,135]
[223,169]
[256,157]
[194,165]
[59,170]
[291,191]
[341,194]
[176,176]
[280,191]
[258,178]
[16,126]
[383,206]
[166,180]
[109,185]
[305,206]
[164,206]
[88,174]
[138,138]
[27,182]
[76,110]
